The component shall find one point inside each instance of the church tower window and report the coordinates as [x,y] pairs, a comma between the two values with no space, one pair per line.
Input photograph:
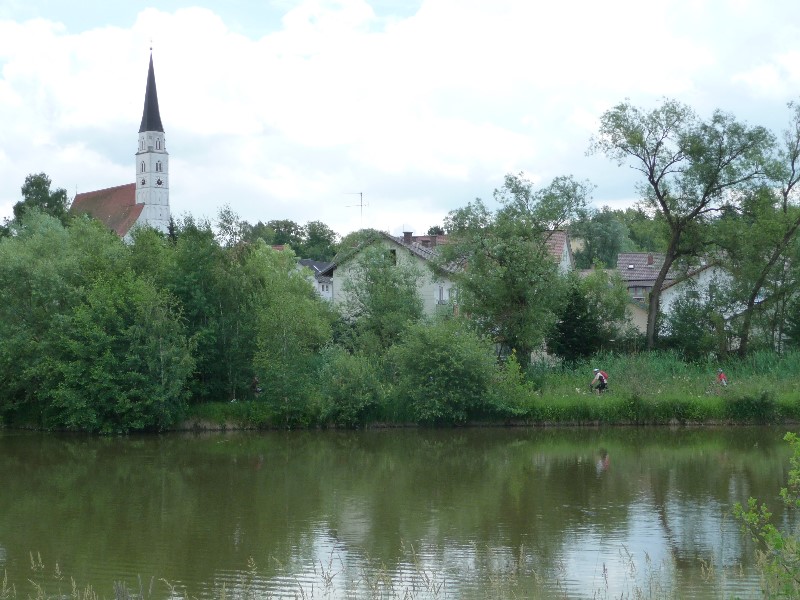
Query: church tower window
[142,166]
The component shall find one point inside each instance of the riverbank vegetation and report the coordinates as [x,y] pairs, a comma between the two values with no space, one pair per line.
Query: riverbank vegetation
[211,324]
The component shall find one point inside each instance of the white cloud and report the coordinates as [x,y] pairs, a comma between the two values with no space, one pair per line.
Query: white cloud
[422,112]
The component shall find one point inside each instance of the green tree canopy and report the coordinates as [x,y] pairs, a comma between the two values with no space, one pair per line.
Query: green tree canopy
[690,167]
[509,284]
[36,194]
[381,298]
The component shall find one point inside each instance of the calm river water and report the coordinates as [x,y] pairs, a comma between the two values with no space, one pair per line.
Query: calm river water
[477,513]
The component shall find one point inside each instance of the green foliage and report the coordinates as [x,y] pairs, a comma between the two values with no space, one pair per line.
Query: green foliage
[778,550]
[314,240]
[293,324]
[604,236]
[382,298]
[37,195]
[693,328]
[511,286]
[754,407]
[576,335]
[350,387]
[444,372]
[45,270]
[591,316]
[511,395]
[117,362]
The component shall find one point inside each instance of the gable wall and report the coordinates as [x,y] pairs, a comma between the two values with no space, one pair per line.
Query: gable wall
[429,283]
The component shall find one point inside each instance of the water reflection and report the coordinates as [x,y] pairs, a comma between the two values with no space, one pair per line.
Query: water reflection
[456,513]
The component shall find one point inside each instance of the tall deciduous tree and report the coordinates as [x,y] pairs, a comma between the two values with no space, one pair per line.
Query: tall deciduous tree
[36,194]
[690,168]
[509,283]
[319,242]
[292,325]
[762,232]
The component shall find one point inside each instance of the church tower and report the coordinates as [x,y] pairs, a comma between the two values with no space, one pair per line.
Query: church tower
[152,162]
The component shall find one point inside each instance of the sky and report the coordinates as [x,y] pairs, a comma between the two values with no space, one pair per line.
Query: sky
[369,113]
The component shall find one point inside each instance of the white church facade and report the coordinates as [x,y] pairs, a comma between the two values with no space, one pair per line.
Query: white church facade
[146,201]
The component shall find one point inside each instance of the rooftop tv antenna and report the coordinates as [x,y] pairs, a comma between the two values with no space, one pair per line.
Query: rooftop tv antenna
[360,204]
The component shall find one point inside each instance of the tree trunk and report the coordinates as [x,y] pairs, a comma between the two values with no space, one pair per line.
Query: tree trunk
[655,294]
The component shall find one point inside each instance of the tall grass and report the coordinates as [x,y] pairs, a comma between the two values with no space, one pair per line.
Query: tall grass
[659,387]
[647,388]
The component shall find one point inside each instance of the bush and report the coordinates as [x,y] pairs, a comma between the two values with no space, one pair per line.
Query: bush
[444,372]
[778,551]
[350,388]
[511,395]
[756,407]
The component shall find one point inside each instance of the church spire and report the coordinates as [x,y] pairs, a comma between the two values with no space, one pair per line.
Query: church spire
[151,118]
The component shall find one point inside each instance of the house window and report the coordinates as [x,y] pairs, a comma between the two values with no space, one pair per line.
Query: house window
[393,256]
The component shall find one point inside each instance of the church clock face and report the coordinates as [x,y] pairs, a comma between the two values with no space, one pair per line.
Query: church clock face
[159,182]
[144,181]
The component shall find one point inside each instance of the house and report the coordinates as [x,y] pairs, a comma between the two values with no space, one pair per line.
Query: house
[560,248]
[146,201]
[702,283]
[322,283]
[639,271]
[436,287]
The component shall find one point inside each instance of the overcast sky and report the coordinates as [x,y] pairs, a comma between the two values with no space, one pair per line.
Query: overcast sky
[289,109]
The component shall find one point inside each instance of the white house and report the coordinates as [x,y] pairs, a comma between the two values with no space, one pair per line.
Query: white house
[436,288]
[700,283]
[314,270]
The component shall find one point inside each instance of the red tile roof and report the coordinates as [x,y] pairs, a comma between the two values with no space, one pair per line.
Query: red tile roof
[641,266]
[556,241]
[115,207]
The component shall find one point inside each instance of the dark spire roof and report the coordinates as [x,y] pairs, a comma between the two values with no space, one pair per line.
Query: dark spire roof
[151,118]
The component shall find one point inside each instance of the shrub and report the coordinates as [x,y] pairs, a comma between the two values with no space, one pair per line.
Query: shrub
[778,551]
[350,388]
[757,407]
[444,372]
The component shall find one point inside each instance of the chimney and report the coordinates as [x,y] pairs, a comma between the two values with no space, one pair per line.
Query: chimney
[650,260]
[407,237]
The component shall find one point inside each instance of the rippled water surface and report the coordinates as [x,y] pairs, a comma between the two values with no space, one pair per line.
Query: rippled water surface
[479,513]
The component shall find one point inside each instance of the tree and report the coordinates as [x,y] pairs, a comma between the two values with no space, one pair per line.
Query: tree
[292,326]
[604,236]
[381,298]
[36,194]
[319,242]
[758,235]
[690,168]
[694,328]
[435,230]
[590,317]
[509,283]
[285,233]
[576,334]
[118,361]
